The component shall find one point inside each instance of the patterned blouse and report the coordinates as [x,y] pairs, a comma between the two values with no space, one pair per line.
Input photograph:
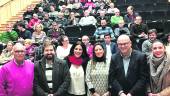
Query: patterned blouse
[97,76]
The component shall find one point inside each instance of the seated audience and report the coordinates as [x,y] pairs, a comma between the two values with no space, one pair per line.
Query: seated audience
[109,46]
[91,19]
[9,35]
[23,32]
[104,29]
[29,46]
[38,35]
[55,32]
[121,29]
[130,16]
[34,20]
[6,54]
[64,47]
[147,44]
[89,47]
[116,18]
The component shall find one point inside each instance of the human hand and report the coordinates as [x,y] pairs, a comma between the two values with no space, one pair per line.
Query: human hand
[123,94]
[129,94]
[50,94]
[95,94]
[106,94]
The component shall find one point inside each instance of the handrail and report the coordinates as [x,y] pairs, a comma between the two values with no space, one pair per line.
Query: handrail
[5,2]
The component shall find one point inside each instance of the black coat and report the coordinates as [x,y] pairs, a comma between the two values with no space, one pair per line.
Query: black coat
[60,78]
[137,75]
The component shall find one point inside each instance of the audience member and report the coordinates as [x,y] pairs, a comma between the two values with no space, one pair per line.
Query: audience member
[97,72]
[72,19]
[9,35]
[38,51]
[46,22]
[121,29]
[38,34]
[40,13]
[29,46]
[102,15]
[23,32]
[139,31]
[116,18]
[16,76]
[61,20]
[28,14]
[53,13]
[64,47]
[33,21]
[89,47]
[109,46]
[6,54]
[130,16]
[89,3]
[55,32]
[159,62]
[91,19]
[111,9]
[147,44]
[129,72]
[51,75]
[104,29]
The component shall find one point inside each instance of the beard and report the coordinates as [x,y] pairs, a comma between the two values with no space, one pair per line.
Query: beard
[49,56]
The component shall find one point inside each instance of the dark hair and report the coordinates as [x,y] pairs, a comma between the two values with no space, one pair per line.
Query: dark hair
[84,53]
[152,31]
[61,39]
[158,41]
[21,25]
[95,58]
[108,34]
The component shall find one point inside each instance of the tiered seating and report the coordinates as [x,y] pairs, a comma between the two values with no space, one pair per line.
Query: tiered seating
[155,13]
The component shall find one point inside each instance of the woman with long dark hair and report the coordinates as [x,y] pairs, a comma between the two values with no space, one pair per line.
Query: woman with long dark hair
[77,61]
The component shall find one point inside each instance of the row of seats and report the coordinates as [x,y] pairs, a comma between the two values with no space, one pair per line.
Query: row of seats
[133,2]
[146,7]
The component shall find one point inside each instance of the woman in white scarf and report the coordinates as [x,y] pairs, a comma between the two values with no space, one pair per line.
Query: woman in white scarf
[159,62]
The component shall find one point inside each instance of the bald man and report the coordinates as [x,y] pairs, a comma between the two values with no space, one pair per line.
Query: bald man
[128,73]
[16,76]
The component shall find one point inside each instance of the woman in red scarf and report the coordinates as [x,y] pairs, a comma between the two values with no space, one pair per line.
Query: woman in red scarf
[77,61]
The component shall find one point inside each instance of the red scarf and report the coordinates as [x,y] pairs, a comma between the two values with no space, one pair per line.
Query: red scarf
[74,60]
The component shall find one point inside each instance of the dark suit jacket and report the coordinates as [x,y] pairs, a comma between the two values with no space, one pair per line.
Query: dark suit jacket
[60,78]
[112,45]
[137,75]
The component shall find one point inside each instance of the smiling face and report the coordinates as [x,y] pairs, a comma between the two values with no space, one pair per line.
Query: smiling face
[124,44]
[49,52]
[19,52]
[78,50]
[152,36]
[158,49]
[99,51]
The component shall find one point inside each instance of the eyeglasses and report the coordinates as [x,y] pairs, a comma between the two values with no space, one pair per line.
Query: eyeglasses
[19,51]
[123,44]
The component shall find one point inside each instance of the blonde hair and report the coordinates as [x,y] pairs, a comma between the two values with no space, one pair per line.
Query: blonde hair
[39,24]
[28,41]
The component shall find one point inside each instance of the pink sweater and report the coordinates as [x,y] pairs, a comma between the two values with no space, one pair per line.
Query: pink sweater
[17,80]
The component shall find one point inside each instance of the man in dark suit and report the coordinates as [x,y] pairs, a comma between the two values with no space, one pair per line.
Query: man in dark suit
[109,46]
[51,75]
[129,72]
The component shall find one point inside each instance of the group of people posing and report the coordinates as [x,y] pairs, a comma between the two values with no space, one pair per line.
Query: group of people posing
[128,72]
